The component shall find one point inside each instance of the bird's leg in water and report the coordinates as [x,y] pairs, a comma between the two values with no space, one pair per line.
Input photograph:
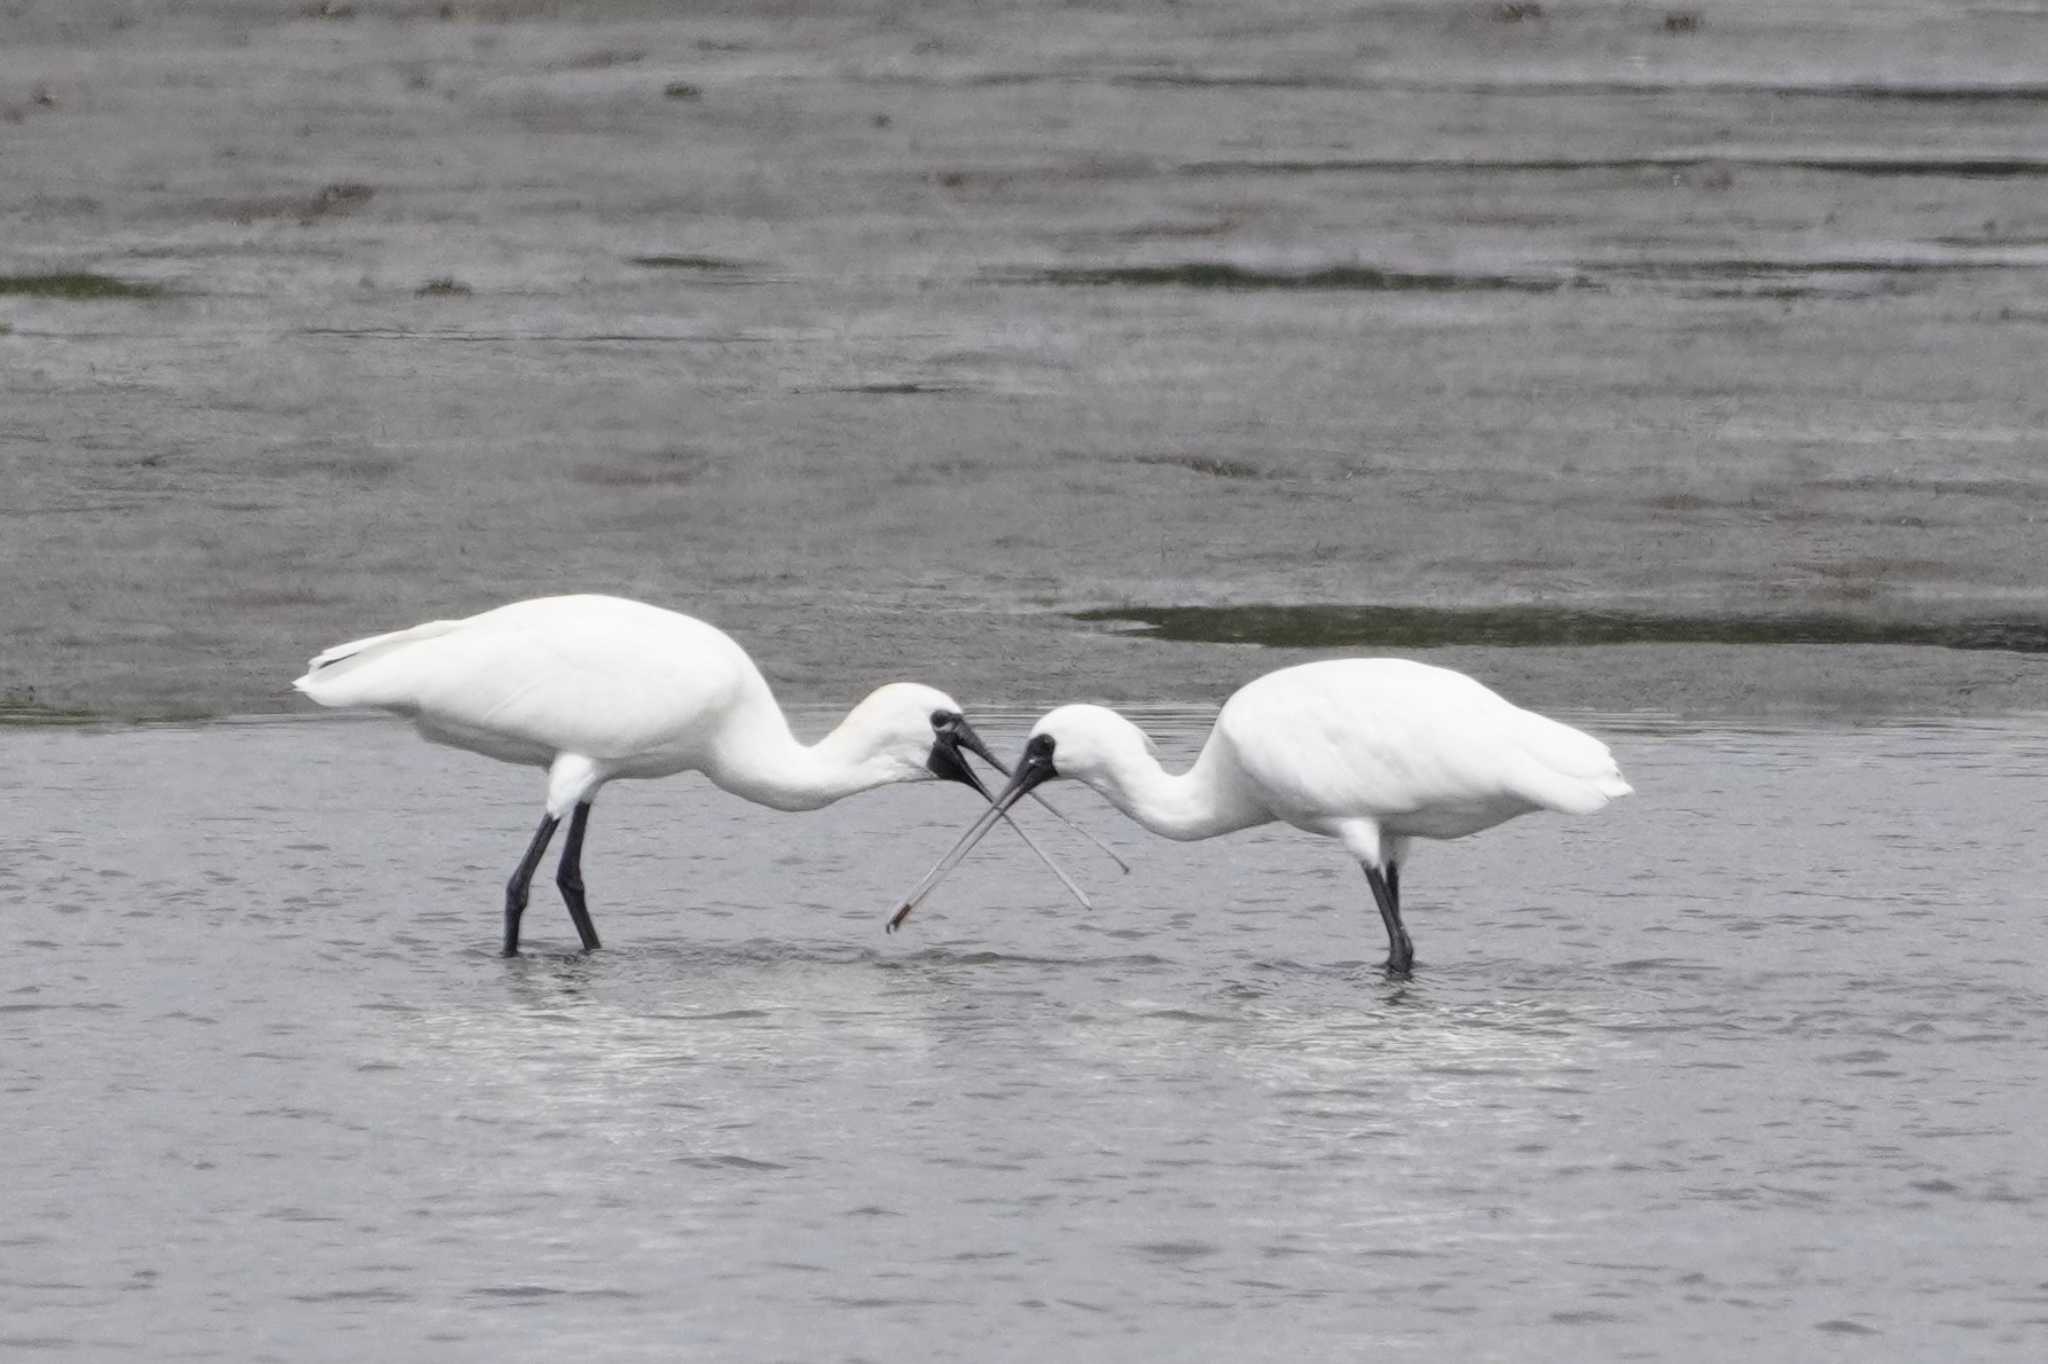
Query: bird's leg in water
[1394,883]
[569,878]
[522,878]
[1400,951]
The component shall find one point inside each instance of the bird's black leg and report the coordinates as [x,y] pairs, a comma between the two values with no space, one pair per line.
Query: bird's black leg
[569,878]
[1394,884]
[515,889]
[1400,951]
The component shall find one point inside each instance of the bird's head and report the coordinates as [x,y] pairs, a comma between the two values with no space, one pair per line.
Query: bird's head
[916,733]
[1088,743]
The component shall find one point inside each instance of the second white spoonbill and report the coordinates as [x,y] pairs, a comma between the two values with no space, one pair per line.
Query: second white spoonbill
[1372,752]
[596,688]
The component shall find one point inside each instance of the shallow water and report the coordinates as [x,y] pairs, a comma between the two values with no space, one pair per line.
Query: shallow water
[1748,1064]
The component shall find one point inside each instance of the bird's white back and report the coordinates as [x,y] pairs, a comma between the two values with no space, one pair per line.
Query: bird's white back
[613,680]
[1381,737]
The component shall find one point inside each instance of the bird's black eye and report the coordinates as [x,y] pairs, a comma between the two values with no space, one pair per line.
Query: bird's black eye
[944,719]
[1039,747]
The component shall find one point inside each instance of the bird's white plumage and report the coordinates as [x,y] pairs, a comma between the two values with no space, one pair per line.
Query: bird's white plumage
[1374,752]
[1422,751]
[610,688]
[1415,750]
[594,688]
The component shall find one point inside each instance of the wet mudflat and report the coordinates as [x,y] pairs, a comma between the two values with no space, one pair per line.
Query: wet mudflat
[1749,1062]
[886,334]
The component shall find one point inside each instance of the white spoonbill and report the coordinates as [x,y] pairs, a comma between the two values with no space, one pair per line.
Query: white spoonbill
[592,688]
[1374,752]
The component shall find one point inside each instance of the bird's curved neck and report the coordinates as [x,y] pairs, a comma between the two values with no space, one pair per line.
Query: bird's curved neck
[761,760]
[1201,802]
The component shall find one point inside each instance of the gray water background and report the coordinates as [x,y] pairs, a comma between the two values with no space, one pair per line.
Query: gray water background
[1747,1065]
[888,335]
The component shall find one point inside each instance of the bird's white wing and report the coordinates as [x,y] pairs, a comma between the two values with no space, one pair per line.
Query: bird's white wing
[324,667]
[1389,736]
[582,675]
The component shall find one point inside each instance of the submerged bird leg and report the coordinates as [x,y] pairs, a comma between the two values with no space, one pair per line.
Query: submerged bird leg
[1400,951]
[569,878]
[522,878]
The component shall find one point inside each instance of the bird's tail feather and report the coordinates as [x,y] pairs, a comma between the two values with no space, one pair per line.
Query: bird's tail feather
[1572,795]
[326,669]
[1566,769]
[1571,792]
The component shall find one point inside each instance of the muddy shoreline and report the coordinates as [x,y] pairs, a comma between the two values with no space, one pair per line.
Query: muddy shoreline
[891,342]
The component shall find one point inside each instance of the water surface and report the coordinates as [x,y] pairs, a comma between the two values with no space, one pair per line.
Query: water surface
[1748,1064]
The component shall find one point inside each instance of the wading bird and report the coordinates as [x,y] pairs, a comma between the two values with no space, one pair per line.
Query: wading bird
[1373,752]
[596,688]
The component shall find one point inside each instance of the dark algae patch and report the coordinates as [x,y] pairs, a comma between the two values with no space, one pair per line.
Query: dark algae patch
[1738,269]
[1963,167]
[1418,627]
[706,264]
[20,707]
[887,387]
[1222,275]
[1763,276]
[1203,464]
[81,285]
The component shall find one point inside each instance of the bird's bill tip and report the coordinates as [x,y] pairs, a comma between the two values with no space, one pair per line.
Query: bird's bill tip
[1029,774]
